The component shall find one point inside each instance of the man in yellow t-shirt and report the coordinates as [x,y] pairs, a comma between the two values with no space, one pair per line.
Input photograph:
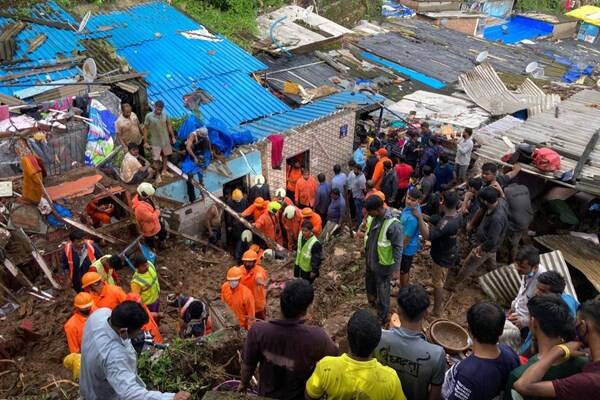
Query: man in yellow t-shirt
[356,376]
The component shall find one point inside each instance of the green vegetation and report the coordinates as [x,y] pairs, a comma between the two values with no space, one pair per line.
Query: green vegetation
[234,19]
[548,6]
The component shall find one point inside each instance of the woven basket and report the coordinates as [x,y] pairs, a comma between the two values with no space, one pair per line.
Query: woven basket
[450,335]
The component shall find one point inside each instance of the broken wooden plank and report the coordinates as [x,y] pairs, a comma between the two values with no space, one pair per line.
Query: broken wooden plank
[38,21]
[37,257]
[109,192]
[37,71]
[271,243]
[36,43]
[12,268]
[93,232]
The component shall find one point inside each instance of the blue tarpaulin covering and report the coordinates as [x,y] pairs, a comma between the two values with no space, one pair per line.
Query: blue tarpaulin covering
[516,29]
[575,71]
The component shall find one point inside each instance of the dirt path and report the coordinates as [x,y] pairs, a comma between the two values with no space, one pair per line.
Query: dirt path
[186,269]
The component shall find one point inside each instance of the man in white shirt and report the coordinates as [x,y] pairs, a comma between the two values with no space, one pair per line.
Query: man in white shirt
[108,360]
[134,169]
[464,148]
[529,267]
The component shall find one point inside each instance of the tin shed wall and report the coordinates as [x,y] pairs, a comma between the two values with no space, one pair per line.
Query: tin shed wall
[322,139]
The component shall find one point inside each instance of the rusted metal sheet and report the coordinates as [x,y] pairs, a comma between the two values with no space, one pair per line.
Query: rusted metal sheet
[485,88]
[567,129]
[580,253]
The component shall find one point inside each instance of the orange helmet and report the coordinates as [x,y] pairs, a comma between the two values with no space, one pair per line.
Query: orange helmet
[250,255]
[260,202]
[132,296]
[83,301]
[234,274]
[89,278]
[307,212]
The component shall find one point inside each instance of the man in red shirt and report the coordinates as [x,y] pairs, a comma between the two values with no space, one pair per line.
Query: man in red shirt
[584,385]
[403,173]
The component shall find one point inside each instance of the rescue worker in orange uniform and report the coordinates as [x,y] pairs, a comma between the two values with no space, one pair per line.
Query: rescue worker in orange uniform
[282,198]
[151,326]
[382,156]
[255,278]
[306,190]
[84,305]
[147,216]
[238,297]
[256,209]
[101,214]
[292,221]
[71,257]
[294,172]
[315,220]
[103,294]
[269,224]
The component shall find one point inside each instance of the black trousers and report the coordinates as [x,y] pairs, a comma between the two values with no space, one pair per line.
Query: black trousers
[300,273]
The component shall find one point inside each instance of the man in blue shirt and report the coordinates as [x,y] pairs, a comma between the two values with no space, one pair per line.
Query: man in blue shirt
[337,207]
[444,174]
[360,155]
[339,179]
[550,282]
[323,197]
[410,226]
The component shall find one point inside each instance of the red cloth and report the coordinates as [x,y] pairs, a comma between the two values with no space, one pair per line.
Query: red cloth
[403,173]
[276,150]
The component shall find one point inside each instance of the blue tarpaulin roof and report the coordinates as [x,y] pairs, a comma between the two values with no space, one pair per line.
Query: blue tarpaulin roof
[62,42]
[304,115]
[149,37]
[518,28]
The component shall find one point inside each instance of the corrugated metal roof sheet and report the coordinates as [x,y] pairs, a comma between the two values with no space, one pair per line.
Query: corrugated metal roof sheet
[502,284]
[149,37]
[59,42]
[441,108]
[568,132]
[581,253]
[309,113]
[486,89]
[496,129]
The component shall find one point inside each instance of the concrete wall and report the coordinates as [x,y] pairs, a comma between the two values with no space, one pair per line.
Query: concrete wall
[322,139]
[187,218]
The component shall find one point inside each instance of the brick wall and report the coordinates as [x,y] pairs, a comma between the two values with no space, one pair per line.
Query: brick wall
[322,139]
[467,26]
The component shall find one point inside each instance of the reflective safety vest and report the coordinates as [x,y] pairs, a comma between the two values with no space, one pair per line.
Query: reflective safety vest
[107,276]
[91,253]
[385,253]
[148,281]
[304,253]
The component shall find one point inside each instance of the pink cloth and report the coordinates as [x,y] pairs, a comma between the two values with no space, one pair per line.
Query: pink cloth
[276,150]
[4,114]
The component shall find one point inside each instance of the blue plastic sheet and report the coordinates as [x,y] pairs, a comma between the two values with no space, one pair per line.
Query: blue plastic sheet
[63,212]
[225,139]
[516,29]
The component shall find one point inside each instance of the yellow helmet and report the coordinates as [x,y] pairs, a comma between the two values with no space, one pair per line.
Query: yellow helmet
[274,207]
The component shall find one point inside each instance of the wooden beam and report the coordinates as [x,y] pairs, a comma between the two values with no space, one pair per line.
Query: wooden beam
[107,191]
[586,154]
[37,21]
[38,71]
[38,257]
[93,232]
[271,243]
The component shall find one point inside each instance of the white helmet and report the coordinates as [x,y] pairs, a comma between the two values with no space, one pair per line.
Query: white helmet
[280,193]
[247,236]
[289,212]
[259,180]
[145,189]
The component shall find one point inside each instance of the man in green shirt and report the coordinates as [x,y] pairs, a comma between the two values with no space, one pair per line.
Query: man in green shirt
[551,324]
[159,135]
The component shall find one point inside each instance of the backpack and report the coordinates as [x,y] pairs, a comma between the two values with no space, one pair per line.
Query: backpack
[546,160]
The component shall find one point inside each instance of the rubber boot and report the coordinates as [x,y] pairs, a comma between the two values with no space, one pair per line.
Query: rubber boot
[438,301]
